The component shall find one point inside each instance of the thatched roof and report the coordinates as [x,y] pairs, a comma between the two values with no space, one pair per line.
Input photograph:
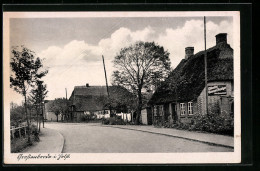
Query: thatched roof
[189,75]
[88,103]
[94,98]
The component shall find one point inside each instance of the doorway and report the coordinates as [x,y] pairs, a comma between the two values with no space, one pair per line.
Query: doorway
[174,111]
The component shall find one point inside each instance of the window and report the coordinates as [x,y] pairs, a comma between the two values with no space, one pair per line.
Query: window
[190,108]
[183,111]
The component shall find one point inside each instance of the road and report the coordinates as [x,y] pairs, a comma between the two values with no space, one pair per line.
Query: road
[95,138]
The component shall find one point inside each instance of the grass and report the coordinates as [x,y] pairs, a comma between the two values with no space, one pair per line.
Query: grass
[19,144]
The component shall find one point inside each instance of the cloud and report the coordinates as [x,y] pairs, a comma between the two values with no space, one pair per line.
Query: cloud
[79,62]
[124,37]
[192,34]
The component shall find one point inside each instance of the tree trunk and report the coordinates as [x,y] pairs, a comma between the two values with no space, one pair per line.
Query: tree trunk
[139,107]
[37,117]
[27,119]
[57,118]
[30,116]
[39,123]
[39,120]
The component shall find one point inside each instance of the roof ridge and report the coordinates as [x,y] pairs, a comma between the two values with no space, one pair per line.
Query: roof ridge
[83,86]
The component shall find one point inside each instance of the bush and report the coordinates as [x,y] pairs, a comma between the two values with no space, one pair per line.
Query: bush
[86,118]
[34,128]
[19,143]
[116,120]
[214,124]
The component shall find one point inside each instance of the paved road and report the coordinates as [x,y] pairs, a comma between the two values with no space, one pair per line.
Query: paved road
[89,138]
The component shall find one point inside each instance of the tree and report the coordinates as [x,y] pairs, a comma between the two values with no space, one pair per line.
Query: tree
[37,97]
[25,67]
[137,66]
[59,106]
[17,114]
[120,99]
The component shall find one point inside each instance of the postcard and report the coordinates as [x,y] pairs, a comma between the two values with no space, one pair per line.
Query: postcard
[122,87]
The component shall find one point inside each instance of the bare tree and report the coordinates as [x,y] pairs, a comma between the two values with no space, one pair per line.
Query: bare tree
[136,66]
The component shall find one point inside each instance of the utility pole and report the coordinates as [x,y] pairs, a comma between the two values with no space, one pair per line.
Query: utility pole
[66,106]
[42,103]
[106,83]
[66,93]
[205,61]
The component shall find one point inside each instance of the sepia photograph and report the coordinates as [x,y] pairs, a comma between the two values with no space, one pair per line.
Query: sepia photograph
[121,87]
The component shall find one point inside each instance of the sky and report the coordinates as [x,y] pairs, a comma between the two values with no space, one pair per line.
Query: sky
[72,48]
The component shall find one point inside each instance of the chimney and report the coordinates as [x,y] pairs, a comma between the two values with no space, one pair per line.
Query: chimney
[189,51]
[221,38]
[87,85]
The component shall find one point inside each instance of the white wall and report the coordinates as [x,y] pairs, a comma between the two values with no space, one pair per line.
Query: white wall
[125,116]
[144,117]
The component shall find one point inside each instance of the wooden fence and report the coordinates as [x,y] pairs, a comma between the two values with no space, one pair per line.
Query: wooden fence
[18,131]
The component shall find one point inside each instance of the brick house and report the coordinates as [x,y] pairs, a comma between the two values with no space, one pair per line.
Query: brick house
[93,100]
[183,93]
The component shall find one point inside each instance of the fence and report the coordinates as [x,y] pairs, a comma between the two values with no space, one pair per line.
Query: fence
[18,131]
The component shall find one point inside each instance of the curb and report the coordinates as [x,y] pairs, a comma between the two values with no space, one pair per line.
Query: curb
[61,148]
[63,142]
[169,135]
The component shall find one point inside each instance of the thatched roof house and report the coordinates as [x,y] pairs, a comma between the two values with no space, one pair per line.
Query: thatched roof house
[94,99]
[186,82]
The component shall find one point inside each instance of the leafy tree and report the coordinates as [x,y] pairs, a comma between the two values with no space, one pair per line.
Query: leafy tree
[59,106]
[25,70]
[139,67]
[38,94]
[120,100]
[17,114]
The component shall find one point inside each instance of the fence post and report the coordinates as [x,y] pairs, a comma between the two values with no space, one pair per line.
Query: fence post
[24,131]
[12,132]
[19,132]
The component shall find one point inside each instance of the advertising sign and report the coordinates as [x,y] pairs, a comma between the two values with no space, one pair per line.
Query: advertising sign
[217,90]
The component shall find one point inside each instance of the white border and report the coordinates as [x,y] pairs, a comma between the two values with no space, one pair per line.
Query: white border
[127,158]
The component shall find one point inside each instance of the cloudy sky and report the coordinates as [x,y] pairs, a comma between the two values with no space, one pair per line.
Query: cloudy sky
[72,47]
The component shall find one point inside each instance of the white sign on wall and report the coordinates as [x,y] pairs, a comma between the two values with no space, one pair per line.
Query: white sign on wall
[217,90]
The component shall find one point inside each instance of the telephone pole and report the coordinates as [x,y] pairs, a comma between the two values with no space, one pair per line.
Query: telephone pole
[66,93]
[42,104]
[205,61]
[67,112]
[106,83]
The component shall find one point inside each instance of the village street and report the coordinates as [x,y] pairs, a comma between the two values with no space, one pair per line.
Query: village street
[97,138]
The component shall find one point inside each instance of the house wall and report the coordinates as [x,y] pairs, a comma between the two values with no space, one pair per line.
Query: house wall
[168,110]
[50,116]
[125,116]
[77,116]
[186,118]
[214,100]
[144,119]
[226,106]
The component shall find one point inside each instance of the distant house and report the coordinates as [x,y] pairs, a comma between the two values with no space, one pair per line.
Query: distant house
[49,115]
[93,100]
[183,93]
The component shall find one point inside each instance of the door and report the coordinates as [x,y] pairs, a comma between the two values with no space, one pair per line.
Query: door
[174,112]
